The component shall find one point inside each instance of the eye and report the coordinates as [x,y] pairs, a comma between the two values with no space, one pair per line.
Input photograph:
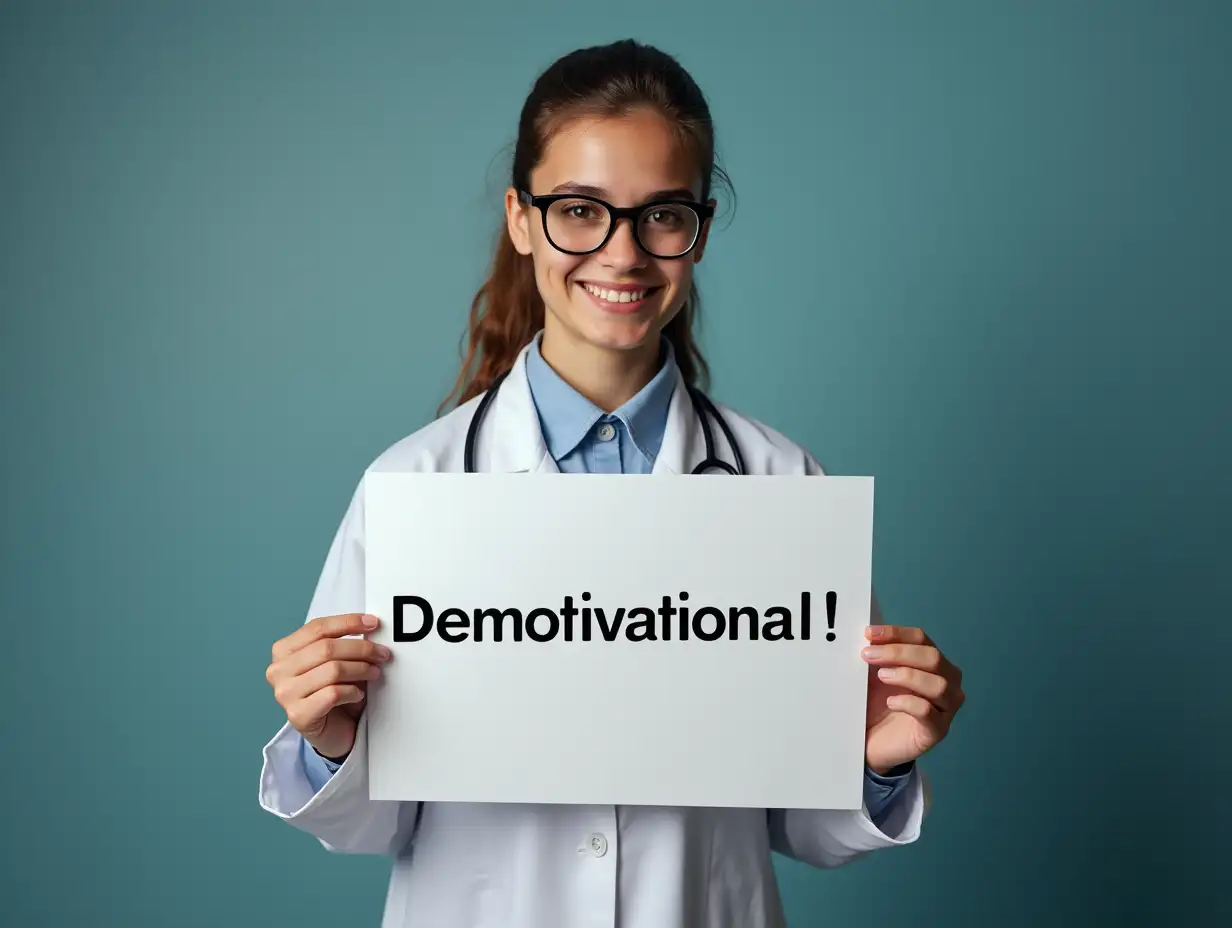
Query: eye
[668,217]
[577,210]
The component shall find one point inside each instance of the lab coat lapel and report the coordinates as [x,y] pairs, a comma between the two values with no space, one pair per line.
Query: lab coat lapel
[514,440]
[683,445]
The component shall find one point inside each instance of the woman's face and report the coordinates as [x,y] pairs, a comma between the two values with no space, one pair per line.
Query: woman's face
[625,161]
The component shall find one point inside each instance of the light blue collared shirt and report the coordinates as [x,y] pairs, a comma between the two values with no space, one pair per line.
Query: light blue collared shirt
[583,439]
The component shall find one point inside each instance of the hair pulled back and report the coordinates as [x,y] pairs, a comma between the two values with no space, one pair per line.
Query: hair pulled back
[603,81]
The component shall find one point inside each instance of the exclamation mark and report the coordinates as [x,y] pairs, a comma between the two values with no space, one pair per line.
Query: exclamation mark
[831,601]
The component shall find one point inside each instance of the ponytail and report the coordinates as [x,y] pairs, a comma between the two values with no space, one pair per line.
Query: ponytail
[679,331]
[505,315]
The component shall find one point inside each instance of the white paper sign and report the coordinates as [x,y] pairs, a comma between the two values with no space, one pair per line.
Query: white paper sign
[607,667]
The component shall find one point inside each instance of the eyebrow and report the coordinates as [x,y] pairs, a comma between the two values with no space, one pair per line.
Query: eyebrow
[676,193]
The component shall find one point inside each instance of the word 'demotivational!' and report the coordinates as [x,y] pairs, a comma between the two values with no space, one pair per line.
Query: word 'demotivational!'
[414,619]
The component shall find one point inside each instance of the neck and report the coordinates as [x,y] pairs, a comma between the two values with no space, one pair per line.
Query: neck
[609,379]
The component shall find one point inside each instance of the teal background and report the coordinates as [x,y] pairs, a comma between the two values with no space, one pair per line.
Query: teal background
[981,252]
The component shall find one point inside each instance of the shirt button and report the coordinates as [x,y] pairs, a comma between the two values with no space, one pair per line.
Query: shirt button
[607,432]
[596,844]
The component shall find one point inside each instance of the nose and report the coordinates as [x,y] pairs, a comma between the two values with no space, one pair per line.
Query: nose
[622,250]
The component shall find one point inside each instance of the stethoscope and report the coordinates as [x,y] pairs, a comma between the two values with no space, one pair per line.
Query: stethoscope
[701,406]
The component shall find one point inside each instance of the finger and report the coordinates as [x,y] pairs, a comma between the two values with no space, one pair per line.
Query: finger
[296,688]
[307,712]
[886,634]
[933,687]
[915,706]
[330,649]
[920,656]
[329,626]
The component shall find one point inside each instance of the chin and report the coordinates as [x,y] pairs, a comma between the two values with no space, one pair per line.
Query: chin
[621,335]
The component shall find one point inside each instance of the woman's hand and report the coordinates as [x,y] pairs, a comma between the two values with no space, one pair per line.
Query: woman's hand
[913,693]
[320,678]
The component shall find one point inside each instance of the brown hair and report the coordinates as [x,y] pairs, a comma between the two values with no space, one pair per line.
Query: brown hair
[606,80]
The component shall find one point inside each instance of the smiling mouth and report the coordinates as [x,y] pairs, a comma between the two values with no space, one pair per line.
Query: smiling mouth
[617,297]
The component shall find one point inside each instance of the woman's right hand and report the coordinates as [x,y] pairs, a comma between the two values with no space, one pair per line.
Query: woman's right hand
[320,678]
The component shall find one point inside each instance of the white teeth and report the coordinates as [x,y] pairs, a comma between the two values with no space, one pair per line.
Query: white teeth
[615,296]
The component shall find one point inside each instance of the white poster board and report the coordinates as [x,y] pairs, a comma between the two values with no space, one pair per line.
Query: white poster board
[657,715]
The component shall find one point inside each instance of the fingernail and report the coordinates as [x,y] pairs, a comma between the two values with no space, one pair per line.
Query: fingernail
[873,653]
[383,652]
[887,673]
[876,631]
[369,621]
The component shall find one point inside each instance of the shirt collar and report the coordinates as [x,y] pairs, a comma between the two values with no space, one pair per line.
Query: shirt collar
[565,416]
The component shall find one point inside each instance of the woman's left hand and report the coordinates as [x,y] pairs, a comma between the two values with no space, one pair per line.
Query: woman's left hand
[913,693]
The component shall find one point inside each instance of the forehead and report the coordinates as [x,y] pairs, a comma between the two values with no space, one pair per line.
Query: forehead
[629,157]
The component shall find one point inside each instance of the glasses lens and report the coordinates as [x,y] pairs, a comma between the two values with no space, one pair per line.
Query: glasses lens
[668,230]
[577,225]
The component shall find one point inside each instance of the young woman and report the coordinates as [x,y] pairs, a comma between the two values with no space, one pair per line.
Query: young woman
[581,339]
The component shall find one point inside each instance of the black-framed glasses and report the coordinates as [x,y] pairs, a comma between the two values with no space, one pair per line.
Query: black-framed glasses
[579,225]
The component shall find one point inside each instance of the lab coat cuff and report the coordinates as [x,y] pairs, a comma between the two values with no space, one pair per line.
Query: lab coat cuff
[287,790]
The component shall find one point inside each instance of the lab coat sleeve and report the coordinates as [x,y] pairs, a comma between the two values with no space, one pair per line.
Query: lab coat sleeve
[339,814]
[830,838]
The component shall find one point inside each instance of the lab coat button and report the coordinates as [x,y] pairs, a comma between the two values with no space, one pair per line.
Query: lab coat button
[597,844]
[606,432]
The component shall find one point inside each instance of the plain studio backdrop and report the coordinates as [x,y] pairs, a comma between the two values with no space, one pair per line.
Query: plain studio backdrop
[980,252]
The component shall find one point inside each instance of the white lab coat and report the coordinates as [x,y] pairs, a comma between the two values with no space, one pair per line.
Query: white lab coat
[476,865]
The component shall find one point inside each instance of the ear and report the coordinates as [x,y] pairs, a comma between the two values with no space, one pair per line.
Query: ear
[517,220]
[703,235]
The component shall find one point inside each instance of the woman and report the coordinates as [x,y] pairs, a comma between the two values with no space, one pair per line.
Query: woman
[588,318]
